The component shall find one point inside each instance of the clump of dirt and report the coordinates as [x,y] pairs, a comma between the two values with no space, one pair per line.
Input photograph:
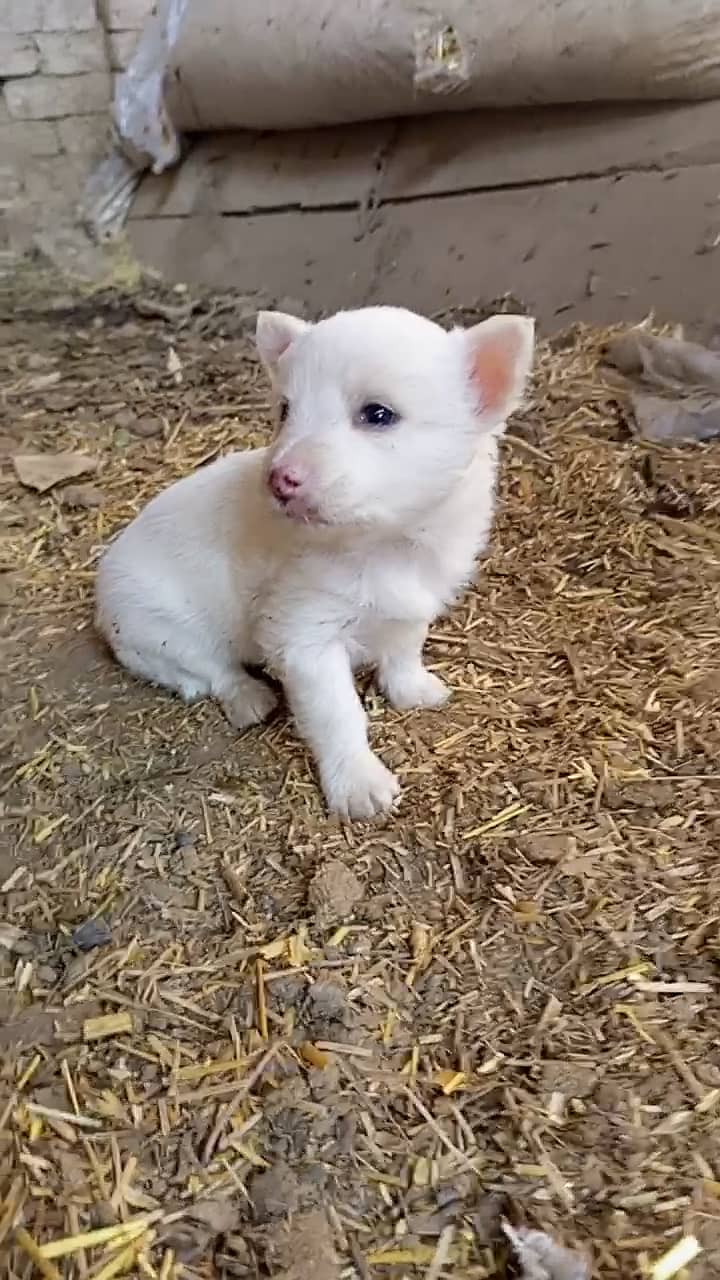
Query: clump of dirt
[309,1252]
[275,1192]
[333,893]
[328,1001]
[325,1012]
[204,1228]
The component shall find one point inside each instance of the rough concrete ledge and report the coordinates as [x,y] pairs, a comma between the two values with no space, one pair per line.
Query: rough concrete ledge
[596,214]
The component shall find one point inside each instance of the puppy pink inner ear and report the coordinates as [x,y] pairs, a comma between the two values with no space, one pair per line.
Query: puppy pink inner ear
[500,355]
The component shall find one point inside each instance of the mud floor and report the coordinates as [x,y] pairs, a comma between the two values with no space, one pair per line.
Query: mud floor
[283,1048]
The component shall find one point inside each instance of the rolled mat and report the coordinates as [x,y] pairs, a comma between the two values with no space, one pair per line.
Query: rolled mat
[285,64]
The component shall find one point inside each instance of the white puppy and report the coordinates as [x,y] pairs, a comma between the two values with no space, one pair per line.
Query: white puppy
[338,545]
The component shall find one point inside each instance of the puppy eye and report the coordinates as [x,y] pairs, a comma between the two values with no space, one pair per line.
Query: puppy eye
[283,409]
[378,415]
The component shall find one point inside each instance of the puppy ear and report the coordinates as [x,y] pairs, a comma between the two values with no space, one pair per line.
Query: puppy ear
[274,333]
[499,355]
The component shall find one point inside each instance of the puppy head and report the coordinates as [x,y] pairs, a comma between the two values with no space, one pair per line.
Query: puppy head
[381,410]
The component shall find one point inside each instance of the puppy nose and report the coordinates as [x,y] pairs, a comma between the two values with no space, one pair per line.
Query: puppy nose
[286,482]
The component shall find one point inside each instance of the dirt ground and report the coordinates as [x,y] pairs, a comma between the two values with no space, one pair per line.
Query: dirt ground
[351,1052]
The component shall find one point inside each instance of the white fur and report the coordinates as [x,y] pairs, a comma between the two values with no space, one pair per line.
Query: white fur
[214,574]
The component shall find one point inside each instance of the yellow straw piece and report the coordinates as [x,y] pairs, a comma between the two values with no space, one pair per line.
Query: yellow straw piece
[122,1261]
[110,1024]
[32,1249]
[122,1234]
[675,1259]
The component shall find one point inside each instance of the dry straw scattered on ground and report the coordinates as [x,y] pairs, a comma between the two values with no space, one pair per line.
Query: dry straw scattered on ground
[240,1040]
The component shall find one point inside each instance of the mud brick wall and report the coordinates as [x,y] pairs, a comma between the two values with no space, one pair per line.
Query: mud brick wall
[58,60]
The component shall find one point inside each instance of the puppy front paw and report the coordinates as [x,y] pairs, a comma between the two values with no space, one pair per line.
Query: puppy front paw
[415,688]
[249,704]
[361,788]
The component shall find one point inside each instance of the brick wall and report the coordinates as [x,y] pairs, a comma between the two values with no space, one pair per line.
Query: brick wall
[58,59]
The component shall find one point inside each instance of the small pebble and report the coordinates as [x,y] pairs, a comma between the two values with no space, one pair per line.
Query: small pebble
[92,933]
[145,427]
[46,974]
[81,496]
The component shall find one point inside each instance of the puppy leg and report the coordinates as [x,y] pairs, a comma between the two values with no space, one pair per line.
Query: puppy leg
[244,700]
[401,674]
[163,651]
[329,715]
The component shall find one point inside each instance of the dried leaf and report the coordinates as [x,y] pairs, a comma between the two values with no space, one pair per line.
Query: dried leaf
[41,471]
[691,418]
[669,363]
[686,373]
